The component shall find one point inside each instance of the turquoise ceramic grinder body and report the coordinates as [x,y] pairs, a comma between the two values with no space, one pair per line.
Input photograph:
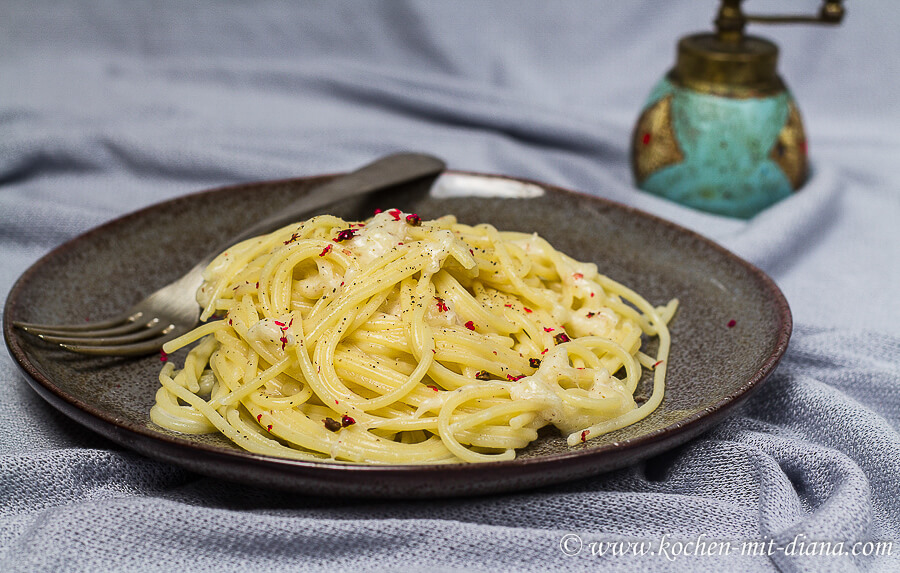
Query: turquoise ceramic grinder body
[721,132]
[721,154]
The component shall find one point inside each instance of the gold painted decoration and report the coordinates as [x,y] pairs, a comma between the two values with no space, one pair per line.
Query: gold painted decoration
[789,151]
[653,145]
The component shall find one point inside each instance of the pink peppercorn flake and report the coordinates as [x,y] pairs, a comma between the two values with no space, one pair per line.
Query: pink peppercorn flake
[269,428]
[395,213]
[548,329]
[731,323]
[578,276]
[470,325]
[584,435]
[435,388]
[441,305]
[163,356]
[345,235]
[534,362]
[347,421]
[414,220]
[482,375]
[325,250]
[657,363]
[512,378]
[378,211]
[544,351]
[259,418]
[561,338]
[526,309]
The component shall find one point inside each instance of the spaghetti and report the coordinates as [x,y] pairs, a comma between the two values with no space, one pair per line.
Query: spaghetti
[400,341]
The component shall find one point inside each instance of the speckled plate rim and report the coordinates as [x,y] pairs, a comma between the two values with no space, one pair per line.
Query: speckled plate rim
[330,478]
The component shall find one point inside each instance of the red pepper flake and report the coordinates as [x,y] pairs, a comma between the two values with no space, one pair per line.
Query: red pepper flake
[395,213]
[284,341]
[646,139]
[325,250]
[345,235]
[578,276]
[279,323]
[512,378]
[526,309]
[332,424]
[482,375]
[548,329]
[293,238]
[508,305]
[534,362]
[441,305]
[657,363]
[259,418]
[336,402]
[163,356]
[414,220]
[731,323]
[592,295]
[561,338]
[269,428]
[470,325]
[435,388]
[544,351]
[347,421]
[584,435]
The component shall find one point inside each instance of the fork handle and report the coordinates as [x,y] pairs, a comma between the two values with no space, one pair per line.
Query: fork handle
[382,173]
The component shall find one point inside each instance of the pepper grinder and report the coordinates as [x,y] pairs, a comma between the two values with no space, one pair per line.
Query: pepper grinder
[721,132]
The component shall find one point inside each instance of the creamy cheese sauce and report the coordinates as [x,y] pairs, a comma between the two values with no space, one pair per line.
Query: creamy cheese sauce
[539,387]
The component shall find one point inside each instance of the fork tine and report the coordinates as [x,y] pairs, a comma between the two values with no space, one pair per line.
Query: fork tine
[35,328]
[136,349]
[111,338]
[126,328]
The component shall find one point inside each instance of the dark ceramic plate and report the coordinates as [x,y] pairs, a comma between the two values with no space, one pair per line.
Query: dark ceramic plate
[713,366]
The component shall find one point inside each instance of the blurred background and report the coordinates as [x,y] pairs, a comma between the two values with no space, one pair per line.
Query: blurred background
[160,98]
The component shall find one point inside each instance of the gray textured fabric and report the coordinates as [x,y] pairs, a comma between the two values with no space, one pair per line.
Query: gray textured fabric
[107,106]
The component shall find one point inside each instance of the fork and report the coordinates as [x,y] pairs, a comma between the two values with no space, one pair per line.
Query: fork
[173,310]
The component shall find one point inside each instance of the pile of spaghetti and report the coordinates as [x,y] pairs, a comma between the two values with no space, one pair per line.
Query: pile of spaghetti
[398,340]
